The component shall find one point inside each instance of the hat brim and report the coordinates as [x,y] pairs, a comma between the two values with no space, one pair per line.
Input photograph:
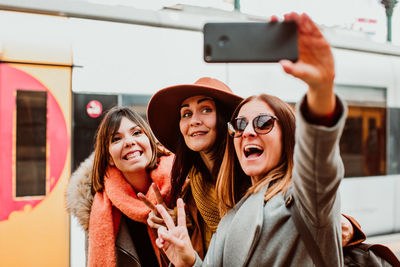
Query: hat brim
[163,111]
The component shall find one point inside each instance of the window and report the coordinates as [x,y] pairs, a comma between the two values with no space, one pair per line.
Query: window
[31,143]
[363,143]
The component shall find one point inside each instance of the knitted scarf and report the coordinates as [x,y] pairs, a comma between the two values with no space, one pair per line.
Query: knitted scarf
[205,196]
[118,196]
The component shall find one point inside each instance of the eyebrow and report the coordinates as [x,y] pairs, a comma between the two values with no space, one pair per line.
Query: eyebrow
[133,127]
[199,101]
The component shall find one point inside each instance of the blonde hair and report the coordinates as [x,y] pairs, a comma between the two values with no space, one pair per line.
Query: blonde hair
[233,183]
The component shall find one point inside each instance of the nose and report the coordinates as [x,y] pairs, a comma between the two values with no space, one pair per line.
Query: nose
[129,141]
[195,120]
[249,130]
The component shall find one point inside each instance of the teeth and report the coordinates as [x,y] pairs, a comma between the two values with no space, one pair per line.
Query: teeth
[249,147]
[133,155]
[198,133]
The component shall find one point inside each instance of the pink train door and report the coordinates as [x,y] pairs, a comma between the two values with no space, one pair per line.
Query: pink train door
[34,159]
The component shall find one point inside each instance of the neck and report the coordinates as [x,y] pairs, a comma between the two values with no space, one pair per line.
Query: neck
[208,161]
[140,181]
[255,179]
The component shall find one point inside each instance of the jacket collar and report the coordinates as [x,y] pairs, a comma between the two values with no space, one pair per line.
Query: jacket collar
[239,231]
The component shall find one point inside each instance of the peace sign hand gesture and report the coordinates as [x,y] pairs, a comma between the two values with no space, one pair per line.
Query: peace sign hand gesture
[175,240]
[154,219]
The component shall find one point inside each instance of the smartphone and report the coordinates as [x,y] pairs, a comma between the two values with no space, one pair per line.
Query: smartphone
[250,41]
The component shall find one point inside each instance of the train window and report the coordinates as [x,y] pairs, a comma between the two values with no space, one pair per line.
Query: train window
[31,143]
[363,143]
[137,102]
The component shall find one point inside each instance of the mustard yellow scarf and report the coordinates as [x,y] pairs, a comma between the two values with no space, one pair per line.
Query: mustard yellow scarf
[205,197]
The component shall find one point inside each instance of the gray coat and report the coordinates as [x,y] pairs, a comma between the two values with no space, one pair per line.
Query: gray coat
[263,234]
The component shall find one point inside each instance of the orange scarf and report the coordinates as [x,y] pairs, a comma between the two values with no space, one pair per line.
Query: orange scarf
[118,196]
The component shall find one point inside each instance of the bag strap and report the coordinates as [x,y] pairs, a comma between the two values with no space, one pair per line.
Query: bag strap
[305,234]
[385,253]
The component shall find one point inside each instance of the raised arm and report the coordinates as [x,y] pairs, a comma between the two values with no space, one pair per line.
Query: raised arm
[318,168]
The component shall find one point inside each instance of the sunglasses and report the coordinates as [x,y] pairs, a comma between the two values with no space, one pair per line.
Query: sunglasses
[262,124]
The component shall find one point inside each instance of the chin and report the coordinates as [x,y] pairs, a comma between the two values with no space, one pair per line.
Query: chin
[252,172]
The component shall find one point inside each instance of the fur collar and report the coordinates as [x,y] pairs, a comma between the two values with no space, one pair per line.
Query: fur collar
[78,197]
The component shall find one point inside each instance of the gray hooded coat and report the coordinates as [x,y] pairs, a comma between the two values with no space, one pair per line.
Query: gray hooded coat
[263,234]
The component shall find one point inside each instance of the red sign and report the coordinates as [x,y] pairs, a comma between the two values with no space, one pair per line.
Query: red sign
[94,108]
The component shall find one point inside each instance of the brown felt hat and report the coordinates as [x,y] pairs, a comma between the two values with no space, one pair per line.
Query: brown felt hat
[163,111]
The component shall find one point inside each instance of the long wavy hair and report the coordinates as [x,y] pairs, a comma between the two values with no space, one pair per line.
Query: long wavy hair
[232,179]
[185,158]
[107,128]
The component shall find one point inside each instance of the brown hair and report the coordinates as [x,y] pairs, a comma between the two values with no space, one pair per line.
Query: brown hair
[107,128]
[231,183]
[185,158]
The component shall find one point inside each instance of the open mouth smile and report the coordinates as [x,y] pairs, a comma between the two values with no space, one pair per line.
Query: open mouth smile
[199,133]
[133,154]
[252,151]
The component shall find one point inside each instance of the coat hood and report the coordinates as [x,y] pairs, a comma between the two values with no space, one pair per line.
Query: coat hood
[78,197]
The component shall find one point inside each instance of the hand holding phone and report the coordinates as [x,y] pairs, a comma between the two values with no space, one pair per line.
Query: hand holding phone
[250,41]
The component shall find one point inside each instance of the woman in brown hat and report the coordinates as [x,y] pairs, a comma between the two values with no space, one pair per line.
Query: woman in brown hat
[190,120]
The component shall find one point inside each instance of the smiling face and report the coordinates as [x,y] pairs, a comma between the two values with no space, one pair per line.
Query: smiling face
[130,148]
[258,153]
[198,123]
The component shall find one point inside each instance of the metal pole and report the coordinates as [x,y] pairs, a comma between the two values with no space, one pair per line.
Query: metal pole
[237,5]
[389,28]
[389,6]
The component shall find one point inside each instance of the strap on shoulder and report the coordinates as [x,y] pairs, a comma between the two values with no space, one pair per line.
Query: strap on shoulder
[385,253]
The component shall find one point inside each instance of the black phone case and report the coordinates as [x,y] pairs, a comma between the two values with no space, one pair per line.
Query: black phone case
[250,42]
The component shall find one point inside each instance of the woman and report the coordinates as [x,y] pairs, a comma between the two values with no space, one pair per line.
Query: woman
[126,161]
[190,120]
[262,145]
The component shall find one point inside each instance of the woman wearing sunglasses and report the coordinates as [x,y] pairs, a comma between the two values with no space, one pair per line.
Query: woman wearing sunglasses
[258,230]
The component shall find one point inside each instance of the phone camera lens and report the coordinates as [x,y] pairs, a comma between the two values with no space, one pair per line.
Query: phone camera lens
[223,41]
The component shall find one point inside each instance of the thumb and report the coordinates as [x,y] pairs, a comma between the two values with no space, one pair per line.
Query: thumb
[287,65]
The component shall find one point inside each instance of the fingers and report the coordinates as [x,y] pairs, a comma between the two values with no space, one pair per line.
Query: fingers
[160,241]
[153,221]
[147,202]
[181,212]
[287,65]
[164,237]
[167,218]
[304,23]
[310,26]
[159,198]
[273,18]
